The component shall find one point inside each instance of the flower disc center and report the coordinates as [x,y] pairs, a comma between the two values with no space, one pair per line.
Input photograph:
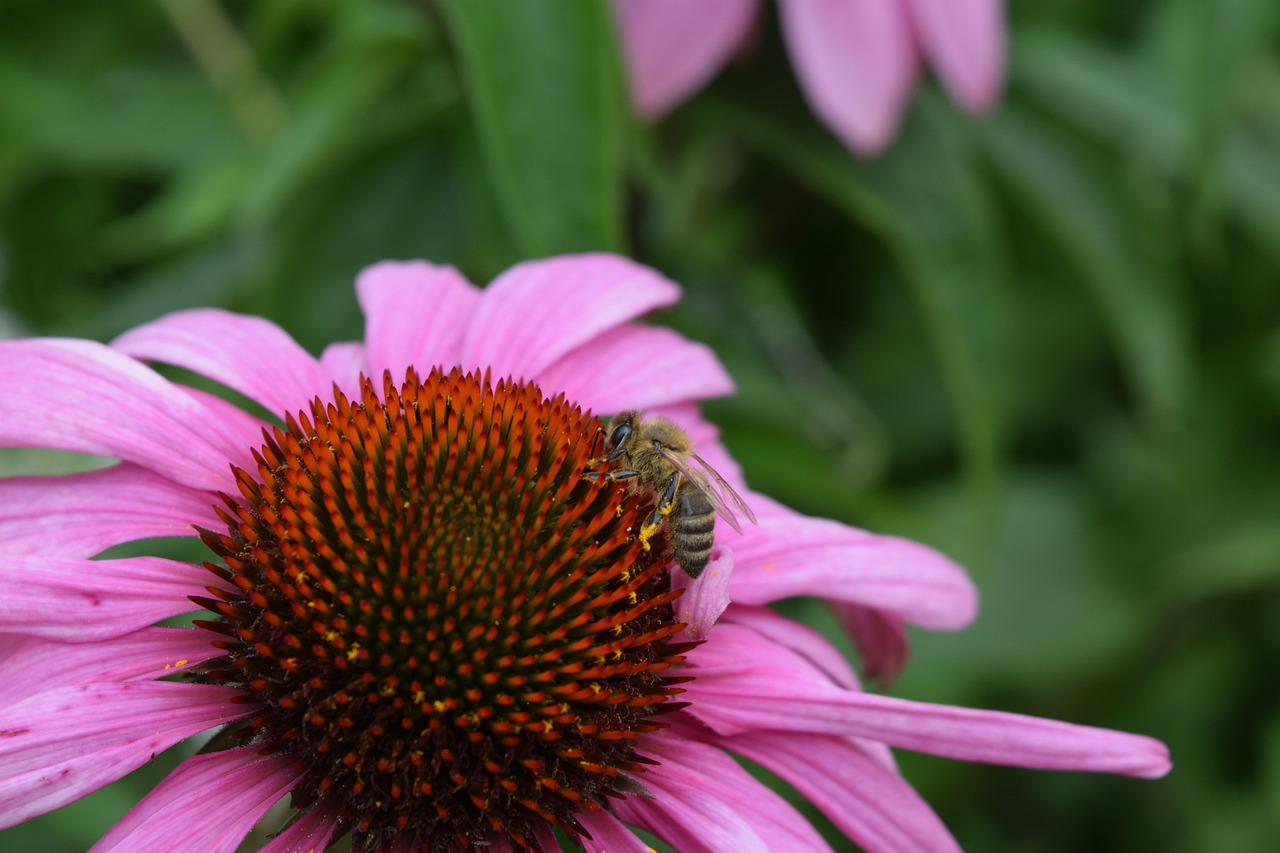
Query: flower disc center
[455,634]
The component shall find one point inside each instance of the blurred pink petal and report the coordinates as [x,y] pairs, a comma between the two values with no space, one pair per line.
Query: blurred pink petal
[964,41]
[64,743]
[673,47]
[881,639]
[80,515]
[341,364]
[415,314]
[790,555]
[537,311]
[697,785]
[82,396]
[637,367]
[73,600]
[706,598]
[30,665]
[856,61]
[871,804]
[246,354]
[243,783]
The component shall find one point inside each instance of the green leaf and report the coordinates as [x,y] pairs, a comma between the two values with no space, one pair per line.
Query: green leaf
[546,96]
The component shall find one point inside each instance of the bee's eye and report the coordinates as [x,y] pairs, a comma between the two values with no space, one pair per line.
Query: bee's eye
[619,434]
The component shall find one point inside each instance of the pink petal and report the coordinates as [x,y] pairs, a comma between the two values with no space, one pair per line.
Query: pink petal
[227,792]
[82,396]
[801,639]
[856,62]
[75,600]
[636,367]
[703,800]
[415,314]
[673,47]
[83,514]
[247,354]
[31,665]
[608,835]
[704,599]
[744,683]
[871,804]
[62,744]
[537,311]
[310,833]
[964,40]
[790,555]
[341,364]
[881,639]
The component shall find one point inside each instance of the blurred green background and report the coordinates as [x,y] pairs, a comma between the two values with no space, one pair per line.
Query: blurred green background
[1047,342]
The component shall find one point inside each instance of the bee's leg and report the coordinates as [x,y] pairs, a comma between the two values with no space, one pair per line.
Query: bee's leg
[610,476]
[595,439]
[666,505]
[608,457]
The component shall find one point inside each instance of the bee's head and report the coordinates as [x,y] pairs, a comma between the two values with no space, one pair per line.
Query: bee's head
[620,429]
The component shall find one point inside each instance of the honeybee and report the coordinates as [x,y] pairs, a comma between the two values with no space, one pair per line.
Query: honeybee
[656,454]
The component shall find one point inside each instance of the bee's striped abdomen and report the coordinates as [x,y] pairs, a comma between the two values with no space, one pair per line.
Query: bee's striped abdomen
[692,529]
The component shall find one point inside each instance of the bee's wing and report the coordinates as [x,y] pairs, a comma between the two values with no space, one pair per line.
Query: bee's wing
[713,487]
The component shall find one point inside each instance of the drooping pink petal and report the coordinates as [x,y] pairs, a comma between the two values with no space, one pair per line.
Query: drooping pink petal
[79,515]
[856,61]
[247,354]
[415,314]
[82,396]
[341,364]
[791,555]
[871,804]
[964,40]
[745,683]
[881,639]
[608,835]
[673,47]
[73,600]
[310,833]
[703,800]
[636,367]
[704,599]
[62,744]
[225,792]
[537,311]
[31,665]
[800,639]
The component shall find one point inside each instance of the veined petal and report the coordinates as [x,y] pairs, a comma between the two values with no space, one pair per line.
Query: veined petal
[881,639]
[800,639]
[790,555]
[744,683]
[706,598]
[874,806]
[82,396]
[537,311]
[247,354]
[75,600]
[243,784]
[31,665]
[415,314]
[705,801]
[62,744]
[673,47]
[637,367]
[310,833]
[964,40]
[608,835]
[856,61]
[83,514]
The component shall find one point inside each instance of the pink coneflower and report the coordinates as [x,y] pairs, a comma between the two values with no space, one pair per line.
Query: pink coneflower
[857,60]
[421,623]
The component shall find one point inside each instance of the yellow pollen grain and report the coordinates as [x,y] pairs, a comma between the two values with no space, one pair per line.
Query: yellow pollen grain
[353,652]
[330,636]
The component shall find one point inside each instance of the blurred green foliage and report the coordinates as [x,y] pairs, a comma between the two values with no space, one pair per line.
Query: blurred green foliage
[1047,342]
